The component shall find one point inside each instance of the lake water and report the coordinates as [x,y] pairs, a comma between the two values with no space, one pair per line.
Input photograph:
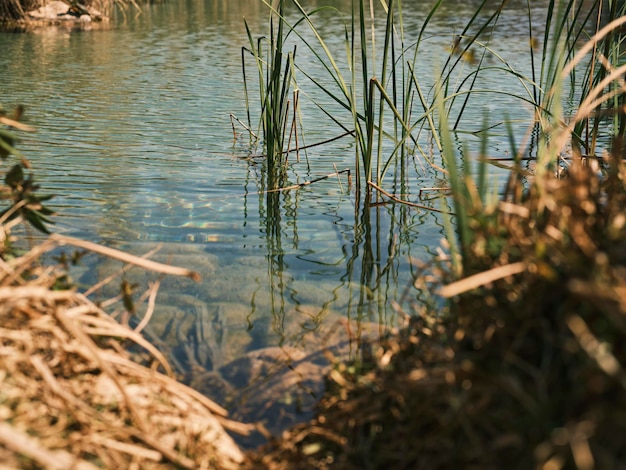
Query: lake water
[135,140]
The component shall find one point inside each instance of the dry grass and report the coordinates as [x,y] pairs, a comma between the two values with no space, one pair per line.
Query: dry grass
[79,390]
[524,369]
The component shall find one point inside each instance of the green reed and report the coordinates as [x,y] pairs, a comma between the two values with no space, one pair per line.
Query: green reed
[475,198]
[586,71]
[390,108]
[371,89]
[392,111]
[600,111]
[600,79]
[589,82]
[276,83]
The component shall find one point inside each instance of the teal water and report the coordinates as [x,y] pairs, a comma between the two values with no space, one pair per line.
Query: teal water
[135,140]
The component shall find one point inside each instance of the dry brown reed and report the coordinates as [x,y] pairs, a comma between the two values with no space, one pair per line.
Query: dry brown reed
[598,95]
[79,390]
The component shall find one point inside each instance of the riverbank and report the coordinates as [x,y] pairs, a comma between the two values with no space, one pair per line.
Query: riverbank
[55,14]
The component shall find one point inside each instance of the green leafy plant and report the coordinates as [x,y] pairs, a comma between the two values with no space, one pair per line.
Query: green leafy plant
[20,188]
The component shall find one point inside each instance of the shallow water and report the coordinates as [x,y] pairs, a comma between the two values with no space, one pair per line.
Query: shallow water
[135,140]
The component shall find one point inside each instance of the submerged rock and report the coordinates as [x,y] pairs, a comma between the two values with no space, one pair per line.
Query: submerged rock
[275,386]
[279,386]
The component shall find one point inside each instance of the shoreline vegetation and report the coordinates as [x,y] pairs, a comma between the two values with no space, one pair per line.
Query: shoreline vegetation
[524,371]
[517,360]
[29,15]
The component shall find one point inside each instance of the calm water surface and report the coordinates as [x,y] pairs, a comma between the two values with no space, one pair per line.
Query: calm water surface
[135,140]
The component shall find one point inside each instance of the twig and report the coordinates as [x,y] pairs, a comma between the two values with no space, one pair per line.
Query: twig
[109,278]
[594,349]
[306,183]
[125,257]
[33,292]
[18,125]
[480,279]
[411,204]
[21,443]
[127,448]
[154,288]
[12,210]
[339,179]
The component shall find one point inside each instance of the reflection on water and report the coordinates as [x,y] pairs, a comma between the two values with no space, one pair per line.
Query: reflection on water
[134,138]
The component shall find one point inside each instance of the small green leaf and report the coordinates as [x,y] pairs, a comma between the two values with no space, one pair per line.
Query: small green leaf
[5,149]
[7,136]
[35,220]
[45,197]
[15,176]
[46,211]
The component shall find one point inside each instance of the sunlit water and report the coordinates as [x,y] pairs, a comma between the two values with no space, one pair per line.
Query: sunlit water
[135,140]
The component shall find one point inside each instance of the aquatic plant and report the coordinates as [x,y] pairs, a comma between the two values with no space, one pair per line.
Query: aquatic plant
[476,227]
[391,110]
[379,95]
[358,92]
[277,87]
[588,84]
[601,104]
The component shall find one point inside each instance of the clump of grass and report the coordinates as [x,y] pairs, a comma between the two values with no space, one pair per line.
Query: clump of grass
[389,106]
[391,110]
[79,389]
[74,396]
[365,93]
[277,91]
